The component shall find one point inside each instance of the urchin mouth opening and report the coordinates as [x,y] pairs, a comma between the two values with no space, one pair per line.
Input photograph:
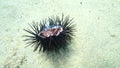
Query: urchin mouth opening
[50,30]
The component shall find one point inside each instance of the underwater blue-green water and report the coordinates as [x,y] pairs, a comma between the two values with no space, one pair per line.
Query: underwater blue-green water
[97,37]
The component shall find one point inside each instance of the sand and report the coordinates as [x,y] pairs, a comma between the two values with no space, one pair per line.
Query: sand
[97,37]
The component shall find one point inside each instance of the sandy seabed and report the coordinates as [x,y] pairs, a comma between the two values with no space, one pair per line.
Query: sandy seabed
[97,37]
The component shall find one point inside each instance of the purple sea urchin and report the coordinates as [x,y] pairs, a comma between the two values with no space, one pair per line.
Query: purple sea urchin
[51,34]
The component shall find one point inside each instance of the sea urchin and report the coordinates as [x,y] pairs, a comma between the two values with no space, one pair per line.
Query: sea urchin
[50,34]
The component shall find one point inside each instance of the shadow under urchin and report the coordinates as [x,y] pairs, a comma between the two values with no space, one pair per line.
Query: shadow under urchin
[52,34]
